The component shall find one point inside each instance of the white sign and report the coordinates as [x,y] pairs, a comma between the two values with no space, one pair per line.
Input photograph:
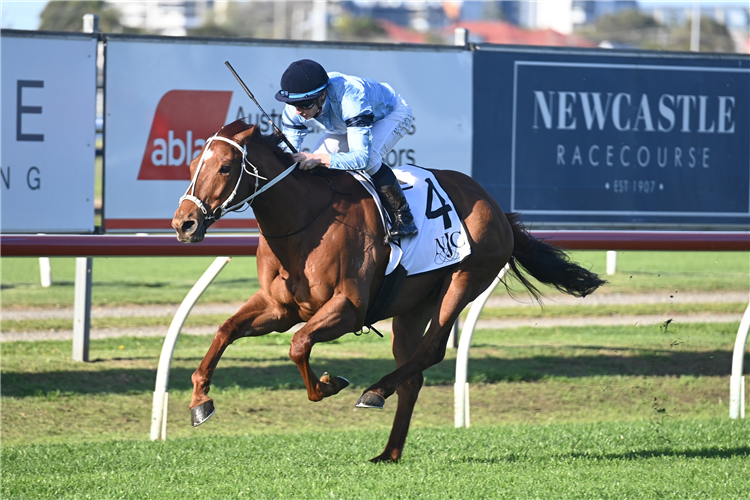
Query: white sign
[48,134]
[165,98]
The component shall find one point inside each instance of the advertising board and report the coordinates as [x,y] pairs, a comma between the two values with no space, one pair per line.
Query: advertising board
[165,97]
[600,139]
[48,133]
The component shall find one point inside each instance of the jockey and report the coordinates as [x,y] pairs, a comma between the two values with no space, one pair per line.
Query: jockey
[362,120]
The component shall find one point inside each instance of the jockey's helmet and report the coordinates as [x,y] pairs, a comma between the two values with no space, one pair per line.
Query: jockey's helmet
[303,80]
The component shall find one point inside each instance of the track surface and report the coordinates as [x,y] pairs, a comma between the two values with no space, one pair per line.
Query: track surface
[495,301]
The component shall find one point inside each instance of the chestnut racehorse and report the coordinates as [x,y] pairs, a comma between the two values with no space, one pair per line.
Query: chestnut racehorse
[321,261]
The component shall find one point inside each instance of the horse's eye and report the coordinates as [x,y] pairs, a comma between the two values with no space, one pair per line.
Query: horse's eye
[225,169]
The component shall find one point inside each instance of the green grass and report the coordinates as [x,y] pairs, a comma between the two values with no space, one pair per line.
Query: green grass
[577,311]
[566,412]
[652,459]
[523,375]
[646,272]
[163,280]
[118,281]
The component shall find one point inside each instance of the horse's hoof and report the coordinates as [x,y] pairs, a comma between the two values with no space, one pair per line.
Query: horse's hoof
[371,400]
[341,382]
[338,383]
[202,412]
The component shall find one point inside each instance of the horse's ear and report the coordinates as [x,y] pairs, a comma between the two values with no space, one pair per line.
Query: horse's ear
[245,135]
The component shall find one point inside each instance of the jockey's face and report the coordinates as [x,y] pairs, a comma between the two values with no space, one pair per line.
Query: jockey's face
[313,110]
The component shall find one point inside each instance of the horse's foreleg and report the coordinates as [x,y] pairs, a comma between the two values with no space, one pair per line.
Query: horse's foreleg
[258,316]
[336,318]
[407,332]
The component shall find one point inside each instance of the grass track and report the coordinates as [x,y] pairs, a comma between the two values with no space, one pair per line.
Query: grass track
[658,459]
[610,412]
[533,375]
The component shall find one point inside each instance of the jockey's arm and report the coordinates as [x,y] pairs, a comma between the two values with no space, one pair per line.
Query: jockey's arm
[359,140]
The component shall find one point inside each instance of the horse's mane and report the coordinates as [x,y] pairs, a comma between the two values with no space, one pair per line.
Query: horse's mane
[271,141]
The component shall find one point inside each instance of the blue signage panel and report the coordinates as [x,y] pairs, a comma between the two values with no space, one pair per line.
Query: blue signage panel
[595,138]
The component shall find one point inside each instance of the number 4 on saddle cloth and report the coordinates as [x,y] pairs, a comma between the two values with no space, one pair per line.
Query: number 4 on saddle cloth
[441,241]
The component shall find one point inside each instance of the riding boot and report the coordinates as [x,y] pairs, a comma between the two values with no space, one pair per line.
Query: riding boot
[393,199]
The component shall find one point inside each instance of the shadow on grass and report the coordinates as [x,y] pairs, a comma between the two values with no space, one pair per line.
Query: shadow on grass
[281,373]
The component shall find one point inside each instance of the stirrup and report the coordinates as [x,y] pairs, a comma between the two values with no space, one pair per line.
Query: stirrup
[403,220]
[399,230]
[402,230]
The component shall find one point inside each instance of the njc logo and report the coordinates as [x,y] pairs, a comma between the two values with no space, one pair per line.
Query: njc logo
[184,119]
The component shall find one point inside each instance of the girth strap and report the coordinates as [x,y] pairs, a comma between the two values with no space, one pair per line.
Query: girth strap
[386,296]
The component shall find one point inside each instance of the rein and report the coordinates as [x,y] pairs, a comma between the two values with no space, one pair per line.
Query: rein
[224,208]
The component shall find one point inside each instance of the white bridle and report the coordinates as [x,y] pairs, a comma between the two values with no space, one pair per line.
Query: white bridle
[224,208]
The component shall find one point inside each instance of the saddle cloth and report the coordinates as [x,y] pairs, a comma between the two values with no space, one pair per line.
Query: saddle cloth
[442,240]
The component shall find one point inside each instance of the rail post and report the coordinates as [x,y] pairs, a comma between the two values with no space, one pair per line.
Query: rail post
[45,271]
[84,268]
[461,387]
[611,262]
[161,396]
[737,380]
[82,309]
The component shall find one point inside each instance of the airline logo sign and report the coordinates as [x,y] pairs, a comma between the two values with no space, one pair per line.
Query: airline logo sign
[158,115]
[183,120]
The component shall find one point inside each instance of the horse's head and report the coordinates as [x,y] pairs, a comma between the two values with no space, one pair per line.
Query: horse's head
[218,184]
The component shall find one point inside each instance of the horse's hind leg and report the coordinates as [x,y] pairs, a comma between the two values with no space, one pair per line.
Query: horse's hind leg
[258,316]
[407,332]
[459,290]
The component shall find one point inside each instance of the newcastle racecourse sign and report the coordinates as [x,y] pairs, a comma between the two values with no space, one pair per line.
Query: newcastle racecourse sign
[608,139]
[626,147]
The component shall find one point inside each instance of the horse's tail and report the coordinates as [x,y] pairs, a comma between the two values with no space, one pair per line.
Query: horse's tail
[548,264]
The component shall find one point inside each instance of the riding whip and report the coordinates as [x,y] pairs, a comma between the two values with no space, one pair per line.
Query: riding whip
[250,94]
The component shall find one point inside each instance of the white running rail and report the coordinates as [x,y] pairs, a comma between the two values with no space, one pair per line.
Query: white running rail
[461,387]
[737,380]
[161,396]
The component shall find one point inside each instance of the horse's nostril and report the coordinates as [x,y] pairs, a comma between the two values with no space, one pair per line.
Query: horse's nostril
[187,226]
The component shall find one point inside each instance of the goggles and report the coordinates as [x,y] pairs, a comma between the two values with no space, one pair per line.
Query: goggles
[305,104]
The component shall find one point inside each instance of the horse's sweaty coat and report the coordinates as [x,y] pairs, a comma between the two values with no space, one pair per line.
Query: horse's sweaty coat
[321,261]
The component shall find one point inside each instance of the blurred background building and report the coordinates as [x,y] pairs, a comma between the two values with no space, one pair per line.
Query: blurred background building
[645,24]
[174,18]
